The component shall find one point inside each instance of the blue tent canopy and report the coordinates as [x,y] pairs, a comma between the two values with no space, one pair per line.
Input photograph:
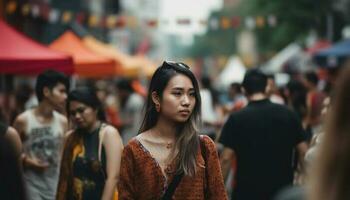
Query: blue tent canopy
[333,56]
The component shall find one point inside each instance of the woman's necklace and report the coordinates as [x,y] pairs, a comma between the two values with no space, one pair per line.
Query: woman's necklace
[169,145]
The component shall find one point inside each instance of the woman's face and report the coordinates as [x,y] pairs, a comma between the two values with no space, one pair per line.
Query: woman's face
[178,99]
[83,116]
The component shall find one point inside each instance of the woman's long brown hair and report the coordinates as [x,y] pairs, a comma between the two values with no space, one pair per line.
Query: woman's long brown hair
[330,175]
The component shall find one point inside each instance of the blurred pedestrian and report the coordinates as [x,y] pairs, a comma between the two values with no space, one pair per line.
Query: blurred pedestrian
[237,100]
[42,132]
[210,117]
[92,152]
[314,102]
[262,137]
[131,105]
[168,159]
[11,179]
[329,178]
[295,93]
[273,92]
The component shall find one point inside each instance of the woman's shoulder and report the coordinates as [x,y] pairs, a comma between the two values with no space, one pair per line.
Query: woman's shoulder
[132,146]
[206,140]
[107,128]
[207,143]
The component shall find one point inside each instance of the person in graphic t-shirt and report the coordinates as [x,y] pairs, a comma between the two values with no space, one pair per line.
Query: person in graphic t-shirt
[42,133]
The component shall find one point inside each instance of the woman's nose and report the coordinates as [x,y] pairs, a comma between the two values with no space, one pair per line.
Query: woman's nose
[185,100]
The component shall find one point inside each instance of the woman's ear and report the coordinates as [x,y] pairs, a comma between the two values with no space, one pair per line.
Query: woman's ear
[155,98]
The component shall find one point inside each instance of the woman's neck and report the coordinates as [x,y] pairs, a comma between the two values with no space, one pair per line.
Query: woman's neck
[165,129]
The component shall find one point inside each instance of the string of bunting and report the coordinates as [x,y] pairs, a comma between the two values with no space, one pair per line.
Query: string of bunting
[53,16]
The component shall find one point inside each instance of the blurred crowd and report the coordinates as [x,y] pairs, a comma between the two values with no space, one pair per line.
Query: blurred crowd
[309,95]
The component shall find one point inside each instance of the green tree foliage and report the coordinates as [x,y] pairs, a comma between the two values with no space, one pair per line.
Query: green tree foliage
[295,19]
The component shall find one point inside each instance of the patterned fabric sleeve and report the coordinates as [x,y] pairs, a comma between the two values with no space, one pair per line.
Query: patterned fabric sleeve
[64,182]
[215,189]
[126,189]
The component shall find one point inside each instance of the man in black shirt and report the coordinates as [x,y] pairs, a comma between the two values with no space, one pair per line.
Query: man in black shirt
[262,137]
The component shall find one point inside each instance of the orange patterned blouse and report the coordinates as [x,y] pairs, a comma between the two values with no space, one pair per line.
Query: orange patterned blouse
[141,176]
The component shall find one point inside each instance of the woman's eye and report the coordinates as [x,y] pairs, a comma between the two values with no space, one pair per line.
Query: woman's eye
[177,93]
[192,94]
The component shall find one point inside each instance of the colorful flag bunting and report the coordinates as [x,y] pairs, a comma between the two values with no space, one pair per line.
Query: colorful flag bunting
[66,17]
[25,9]
[53,15]
[11,7]
[260,21]
[250,23]
[35,11]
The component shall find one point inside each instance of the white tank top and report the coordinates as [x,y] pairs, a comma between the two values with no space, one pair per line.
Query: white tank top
[43,142]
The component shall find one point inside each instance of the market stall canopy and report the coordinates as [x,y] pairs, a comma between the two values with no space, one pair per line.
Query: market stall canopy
[128,66]
[333,56]
[318,46]
[277,62]
[86,63]
[234,71]
[21,55]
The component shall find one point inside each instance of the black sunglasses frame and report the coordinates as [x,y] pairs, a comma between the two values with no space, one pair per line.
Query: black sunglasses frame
[175,64]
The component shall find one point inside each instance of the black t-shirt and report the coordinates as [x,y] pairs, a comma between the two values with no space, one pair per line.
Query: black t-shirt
[263,136]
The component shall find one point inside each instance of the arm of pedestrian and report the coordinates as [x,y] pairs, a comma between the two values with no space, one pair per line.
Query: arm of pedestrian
[64,123]
[226,158]
[20,125]
[302,147]
[14,138]
[114,147]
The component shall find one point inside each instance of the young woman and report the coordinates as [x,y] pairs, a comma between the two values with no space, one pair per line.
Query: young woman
[92,153]
[168,159]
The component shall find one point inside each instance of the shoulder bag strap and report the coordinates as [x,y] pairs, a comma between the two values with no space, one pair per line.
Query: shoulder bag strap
[172,186]
[204,155]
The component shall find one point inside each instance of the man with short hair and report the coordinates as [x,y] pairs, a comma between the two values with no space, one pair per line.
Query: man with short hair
[262,137]
[42,132]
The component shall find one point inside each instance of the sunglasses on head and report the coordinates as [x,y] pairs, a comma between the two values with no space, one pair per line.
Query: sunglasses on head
[175,64]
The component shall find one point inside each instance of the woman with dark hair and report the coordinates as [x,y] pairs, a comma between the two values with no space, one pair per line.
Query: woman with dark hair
[330,177]
[92,152]
[168,159]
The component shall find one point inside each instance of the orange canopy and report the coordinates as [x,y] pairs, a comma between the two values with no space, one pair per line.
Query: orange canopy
[130,66]
[86,63]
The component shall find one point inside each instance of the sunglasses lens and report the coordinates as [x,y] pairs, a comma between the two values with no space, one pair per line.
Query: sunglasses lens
[175,64]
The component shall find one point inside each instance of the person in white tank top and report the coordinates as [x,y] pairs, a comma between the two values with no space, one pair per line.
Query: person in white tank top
[42,132]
